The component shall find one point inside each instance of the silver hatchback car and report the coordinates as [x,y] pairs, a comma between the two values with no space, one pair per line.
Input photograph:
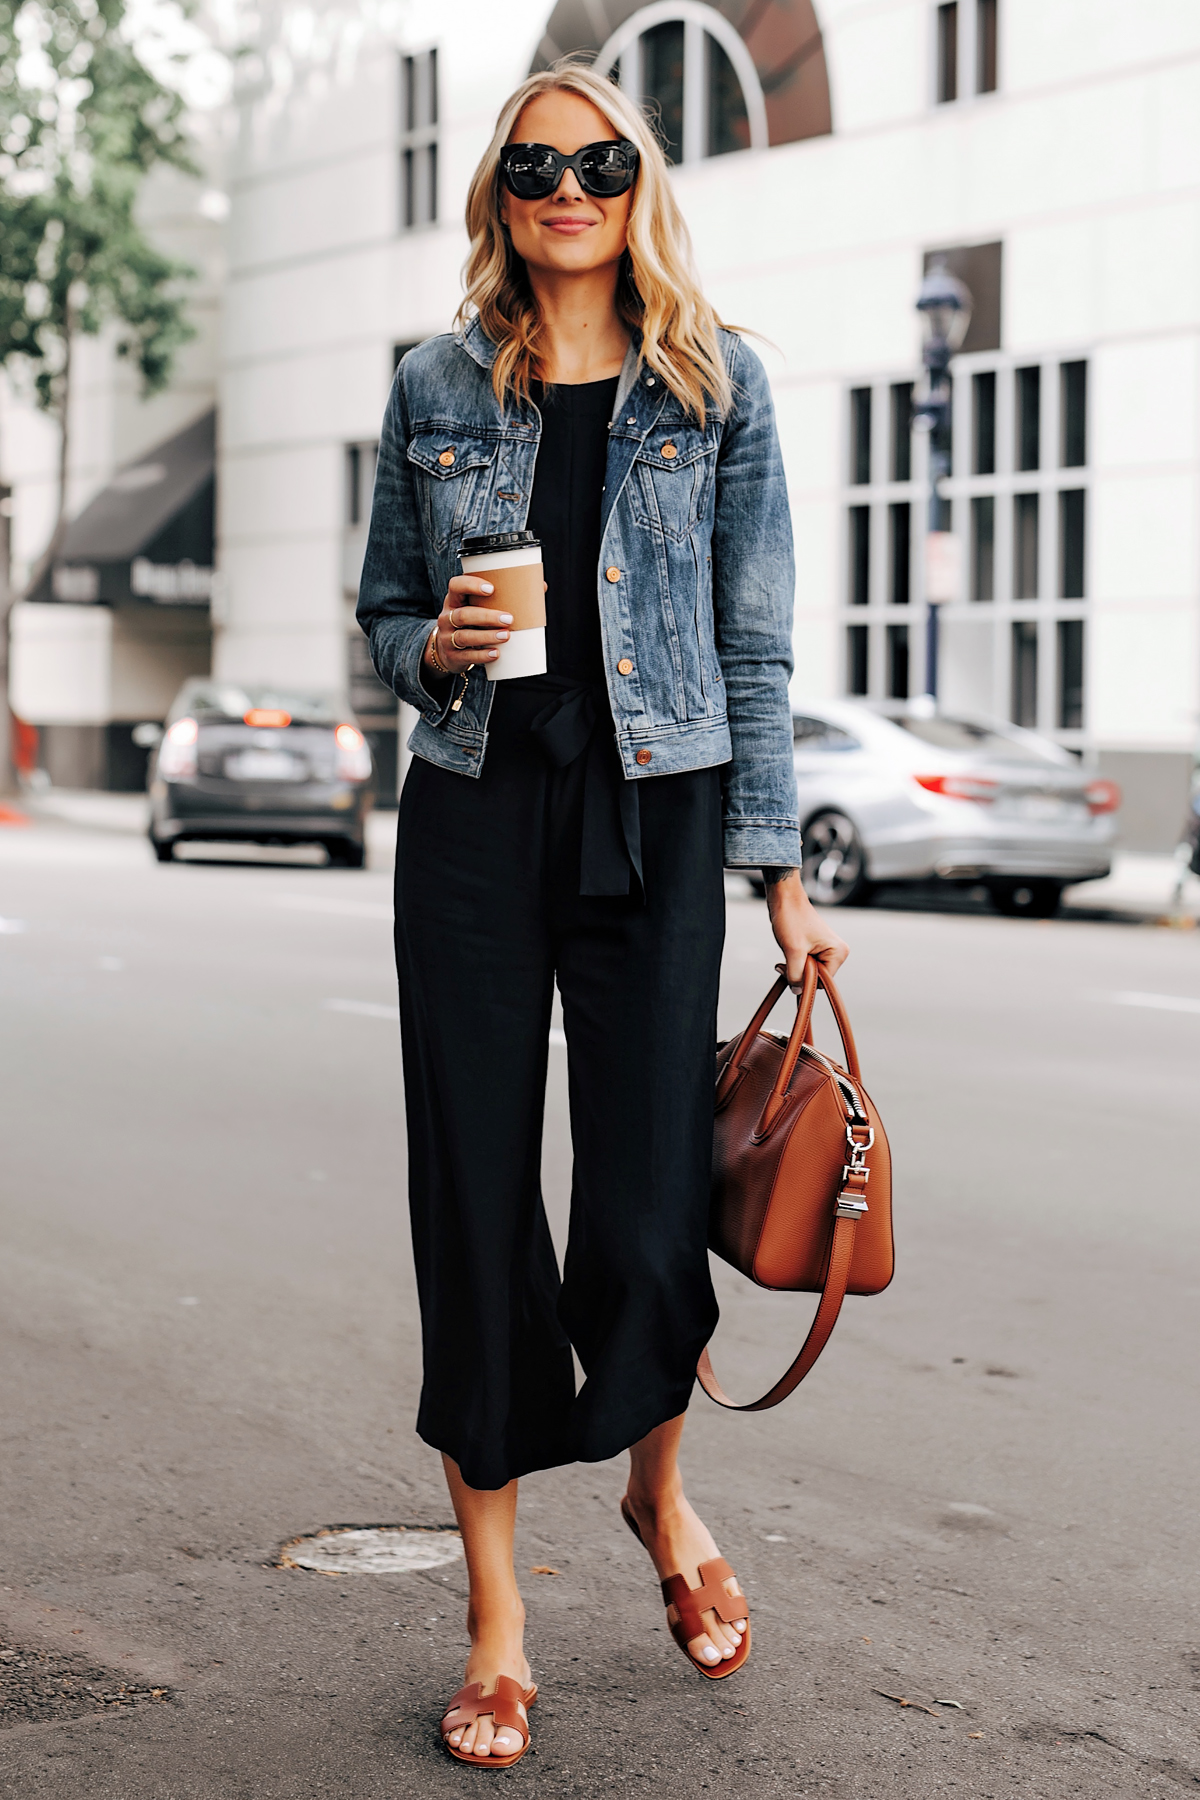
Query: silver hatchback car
[921,796]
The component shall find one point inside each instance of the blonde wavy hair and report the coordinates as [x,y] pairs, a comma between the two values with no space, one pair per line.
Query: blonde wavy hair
[658,291]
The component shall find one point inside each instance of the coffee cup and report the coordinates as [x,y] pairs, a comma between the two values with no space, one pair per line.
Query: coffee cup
[512,562]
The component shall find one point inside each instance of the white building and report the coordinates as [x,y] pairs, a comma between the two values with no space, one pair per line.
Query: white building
[1051,146]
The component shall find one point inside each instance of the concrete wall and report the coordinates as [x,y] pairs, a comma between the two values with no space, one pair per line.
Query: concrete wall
[1085,163]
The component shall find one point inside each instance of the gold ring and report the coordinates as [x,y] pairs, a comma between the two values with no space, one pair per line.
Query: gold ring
[454,640]
[453,620]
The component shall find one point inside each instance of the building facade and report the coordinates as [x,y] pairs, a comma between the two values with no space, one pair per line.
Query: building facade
[1049,149]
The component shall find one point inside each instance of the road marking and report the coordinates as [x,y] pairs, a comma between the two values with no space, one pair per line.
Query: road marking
[1183,1003]
[346,909]
[371,1009]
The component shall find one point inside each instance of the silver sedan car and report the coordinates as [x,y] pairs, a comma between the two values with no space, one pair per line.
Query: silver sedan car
[921,796]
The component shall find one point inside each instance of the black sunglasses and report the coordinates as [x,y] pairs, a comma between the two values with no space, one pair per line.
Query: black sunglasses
[604,170]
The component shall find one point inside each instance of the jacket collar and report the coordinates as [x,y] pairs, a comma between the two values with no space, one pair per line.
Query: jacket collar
[477,344]
[480,348]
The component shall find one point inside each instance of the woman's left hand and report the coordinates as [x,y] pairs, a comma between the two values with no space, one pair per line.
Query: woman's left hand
[799,929]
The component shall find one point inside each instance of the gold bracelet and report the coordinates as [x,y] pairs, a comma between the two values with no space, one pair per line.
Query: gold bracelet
[435,659]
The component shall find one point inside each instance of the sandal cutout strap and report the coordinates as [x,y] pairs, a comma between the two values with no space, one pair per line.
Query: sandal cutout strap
[501,1707]
[710,1596]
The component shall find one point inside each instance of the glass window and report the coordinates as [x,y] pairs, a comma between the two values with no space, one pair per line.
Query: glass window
[947,53]
[971,738]
[1070,543]
[1029,422]
[983,395]
[983,547]
[1025,547]
[353,484]
[1073,414]
[687,74]
[728,120]
[897,656]
[1025,673]
[419,150]
[902,393]
[662,83]
[819,734]
[860,436]
[899,552]
[211,702]
[986,46]
[1070,674]
[860,555]
[360,480]
[856,659]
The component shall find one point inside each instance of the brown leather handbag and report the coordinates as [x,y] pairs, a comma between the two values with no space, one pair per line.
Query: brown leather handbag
[798,1146]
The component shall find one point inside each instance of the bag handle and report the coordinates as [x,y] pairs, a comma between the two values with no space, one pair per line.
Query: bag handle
[850,1200]
[814,976]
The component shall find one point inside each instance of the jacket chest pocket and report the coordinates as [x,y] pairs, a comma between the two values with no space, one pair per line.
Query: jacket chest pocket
[673,479]
[451,471]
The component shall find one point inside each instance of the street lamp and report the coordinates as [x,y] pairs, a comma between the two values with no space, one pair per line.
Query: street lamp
[944,304]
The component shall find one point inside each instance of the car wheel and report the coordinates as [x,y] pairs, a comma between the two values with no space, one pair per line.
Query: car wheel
[833,862]
[163,852]
[346,855]
[1026,899]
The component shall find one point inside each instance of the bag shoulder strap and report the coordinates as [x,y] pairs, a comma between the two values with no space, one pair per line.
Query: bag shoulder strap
[832,1294]
[841,1251]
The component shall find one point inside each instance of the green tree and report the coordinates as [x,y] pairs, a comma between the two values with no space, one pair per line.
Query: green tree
[82,123]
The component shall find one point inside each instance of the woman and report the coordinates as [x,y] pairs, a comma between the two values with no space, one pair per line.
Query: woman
[572,828]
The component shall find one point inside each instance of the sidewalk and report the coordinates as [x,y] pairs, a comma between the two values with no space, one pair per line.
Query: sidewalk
[1140,887]
[127,815]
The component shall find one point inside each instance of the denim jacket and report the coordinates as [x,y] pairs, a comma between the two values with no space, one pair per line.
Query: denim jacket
[694,583]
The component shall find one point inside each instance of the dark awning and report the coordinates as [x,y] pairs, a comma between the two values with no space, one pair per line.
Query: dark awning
[149,534]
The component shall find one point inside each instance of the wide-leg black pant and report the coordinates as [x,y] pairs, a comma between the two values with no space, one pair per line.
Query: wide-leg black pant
[488,917]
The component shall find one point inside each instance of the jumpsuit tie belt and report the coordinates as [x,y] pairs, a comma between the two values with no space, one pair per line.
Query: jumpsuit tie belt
[576,722]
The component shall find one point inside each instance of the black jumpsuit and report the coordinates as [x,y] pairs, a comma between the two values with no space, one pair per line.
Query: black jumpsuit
[550,867]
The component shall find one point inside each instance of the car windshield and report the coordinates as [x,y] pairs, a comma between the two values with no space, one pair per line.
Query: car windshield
[974,740]
[819,734]
[218,702]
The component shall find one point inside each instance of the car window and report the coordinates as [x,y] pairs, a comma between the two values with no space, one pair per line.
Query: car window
[820,735]
[214,702]
[967,737]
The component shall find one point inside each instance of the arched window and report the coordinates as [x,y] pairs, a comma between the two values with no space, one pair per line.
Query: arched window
[726,75]
[690,67]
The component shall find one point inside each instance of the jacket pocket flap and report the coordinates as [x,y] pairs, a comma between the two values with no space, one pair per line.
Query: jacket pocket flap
[445,454]
[678,449]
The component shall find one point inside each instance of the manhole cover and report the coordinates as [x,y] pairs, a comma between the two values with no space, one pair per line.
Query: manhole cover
[372,1550]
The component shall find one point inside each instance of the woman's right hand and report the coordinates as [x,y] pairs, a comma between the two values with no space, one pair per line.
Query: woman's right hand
[466,634]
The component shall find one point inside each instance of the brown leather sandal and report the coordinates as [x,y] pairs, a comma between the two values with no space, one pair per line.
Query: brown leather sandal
[501,1707]
[689,1603]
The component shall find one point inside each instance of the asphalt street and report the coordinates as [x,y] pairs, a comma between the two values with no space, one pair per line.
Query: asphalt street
[982,1502]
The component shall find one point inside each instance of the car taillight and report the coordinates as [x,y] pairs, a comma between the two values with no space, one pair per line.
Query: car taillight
[1102,796]
[960,787]
[177,752]
[353,756]
[263,716]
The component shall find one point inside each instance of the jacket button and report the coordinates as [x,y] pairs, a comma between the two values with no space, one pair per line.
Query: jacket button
[624,667]
[669,452]
[612,573]
[643,757]
[446,458]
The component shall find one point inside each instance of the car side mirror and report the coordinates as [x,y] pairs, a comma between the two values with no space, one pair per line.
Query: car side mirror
[147,736]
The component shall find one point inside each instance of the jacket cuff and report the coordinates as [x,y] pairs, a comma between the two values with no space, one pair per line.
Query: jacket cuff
[762,843]
[402,642]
